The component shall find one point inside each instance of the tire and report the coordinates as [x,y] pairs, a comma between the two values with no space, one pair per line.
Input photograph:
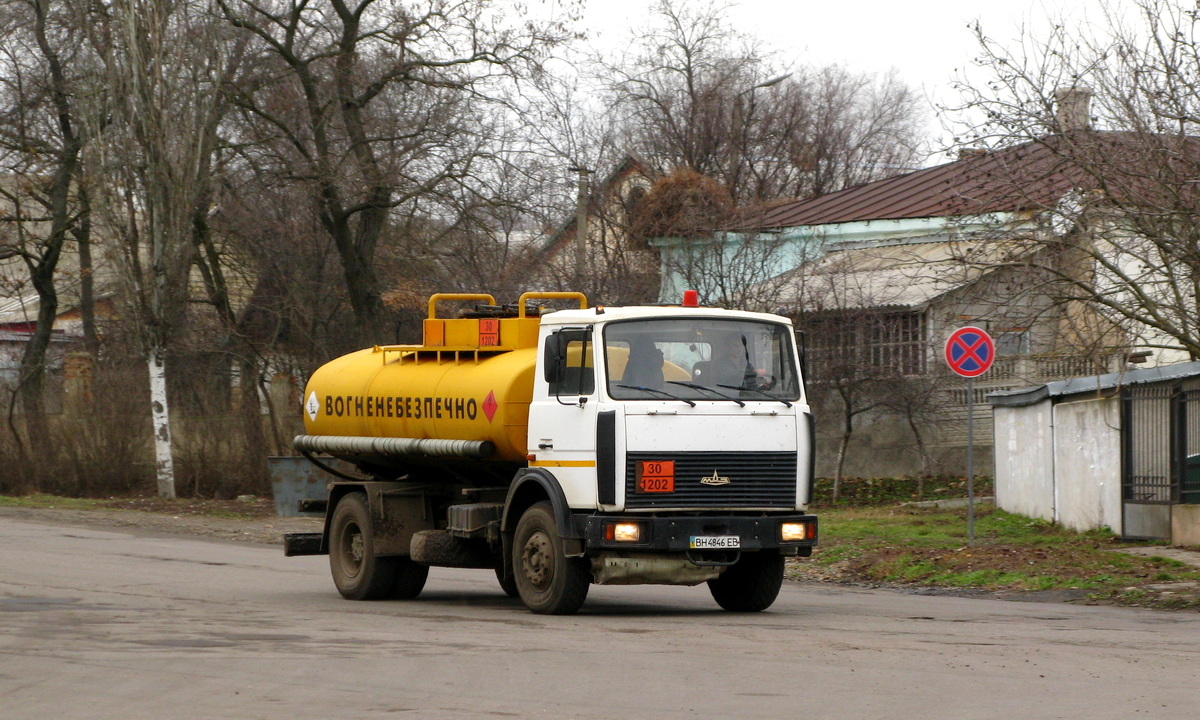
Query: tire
[548,582]
[357,572]
[750,585]
[410,578]
[508,585]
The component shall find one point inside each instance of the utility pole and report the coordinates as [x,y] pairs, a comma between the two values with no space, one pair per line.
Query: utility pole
[581,223]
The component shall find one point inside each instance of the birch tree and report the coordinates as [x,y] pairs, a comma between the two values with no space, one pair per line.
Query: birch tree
[166,62]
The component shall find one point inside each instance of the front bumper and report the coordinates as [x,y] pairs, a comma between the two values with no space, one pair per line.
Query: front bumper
[674,533]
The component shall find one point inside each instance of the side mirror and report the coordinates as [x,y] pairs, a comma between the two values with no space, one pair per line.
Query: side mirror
[802,347]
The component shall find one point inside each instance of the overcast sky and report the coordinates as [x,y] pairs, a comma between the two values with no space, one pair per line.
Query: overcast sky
[925,41]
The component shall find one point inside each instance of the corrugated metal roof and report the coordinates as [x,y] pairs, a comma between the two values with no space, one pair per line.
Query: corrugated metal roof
[18,308]
[1031,176]
[903,275]
[1092,384]
[19,302]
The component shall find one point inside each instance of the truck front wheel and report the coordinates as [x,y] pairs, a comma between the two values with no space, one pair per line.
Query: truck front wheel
[507,584]
[358,572]
[751,584]
[549,582]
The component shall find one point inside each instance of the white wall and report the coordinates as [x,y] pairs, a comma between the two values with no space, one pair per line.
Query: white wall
[1087,459]
[1024,459]
[1061,462]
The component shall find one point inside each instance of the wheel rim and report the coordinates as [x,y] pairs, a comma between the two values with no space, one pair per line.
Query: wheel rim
[537,560]
[352,549]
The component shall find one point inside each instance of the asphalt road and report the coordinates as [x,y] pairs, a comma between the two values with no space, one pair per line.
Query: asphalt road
[103,623]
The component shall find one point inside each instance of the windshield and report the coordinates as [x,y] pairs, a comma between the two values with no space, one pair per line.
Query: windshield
[700,359]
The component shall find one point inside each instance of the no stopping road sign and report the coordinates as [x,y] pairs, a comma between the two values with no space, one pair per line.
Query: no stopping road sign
[970,351]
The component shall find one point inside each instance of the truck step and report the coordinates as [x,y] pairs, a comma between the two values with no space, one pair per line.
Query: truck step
[302,544]
[441,549]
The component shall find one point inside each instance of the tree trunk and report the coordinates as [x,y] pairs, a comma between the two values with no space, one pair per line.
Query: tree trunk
[356,250]
[923,453]
[841,461]
[164,464]
[844,445]
[87,280]
[363,288]
[33,360]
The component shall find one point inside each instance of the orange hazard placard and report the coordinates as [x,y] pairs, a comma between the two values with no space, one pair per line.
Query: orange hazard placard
[489,332]
[656,476]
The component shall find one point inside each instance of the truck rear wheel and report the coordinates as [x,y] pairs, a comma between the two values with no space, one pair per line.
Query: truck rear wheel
[751,584]
[549,582]
[358,572]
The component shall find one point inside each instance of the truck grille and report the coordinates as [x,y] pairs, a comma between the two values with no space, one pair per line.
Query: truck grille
[756,479]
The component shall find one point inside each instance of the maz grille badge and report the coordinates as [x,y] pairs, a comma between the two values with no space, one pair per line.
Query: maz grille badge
[714,479]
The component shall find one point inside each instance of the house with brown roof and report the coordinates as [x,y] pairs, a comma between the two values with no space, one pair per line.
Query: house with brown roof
[879,275]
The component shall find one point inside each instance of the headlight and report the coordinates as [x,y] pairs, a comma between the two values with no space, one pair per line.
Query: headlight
[623,532]
[793,532]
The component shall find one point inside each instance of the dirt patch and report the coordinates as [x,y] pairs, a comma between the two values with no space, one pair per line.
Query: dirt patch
[250,521]
[244,507]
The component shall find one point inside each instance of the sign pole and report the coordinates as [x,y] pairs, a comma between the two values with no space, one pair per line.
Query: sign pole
[969,352]
[970,462]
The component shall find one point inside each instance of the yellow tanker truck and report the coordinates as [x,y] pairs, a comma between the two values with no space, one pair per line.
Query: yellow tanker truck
[609,445]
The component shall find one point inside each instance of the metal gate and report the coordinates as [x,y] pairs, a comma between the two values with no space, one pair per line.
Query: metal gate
[1160,457]
[1188,460]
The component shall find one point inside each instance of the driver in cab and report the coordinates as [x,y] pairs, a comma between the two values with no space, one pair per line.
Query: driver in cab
[730,365]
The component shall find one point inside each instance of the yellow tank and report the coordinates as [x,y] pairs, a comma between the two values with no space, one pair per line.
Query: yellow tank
[471,380]
[423,394]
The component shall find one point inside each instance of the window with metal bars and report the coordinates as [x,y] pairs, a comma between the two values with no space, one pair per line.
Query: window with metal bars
[881,343]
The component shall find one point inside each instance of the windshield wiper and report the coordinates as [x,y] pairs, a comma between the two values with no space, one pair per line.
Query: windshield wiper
[664,393]
[718,393]
[764,393]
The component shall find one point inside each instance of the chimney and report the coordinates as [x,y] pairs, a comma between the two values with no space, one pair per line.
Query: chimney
[1071,112]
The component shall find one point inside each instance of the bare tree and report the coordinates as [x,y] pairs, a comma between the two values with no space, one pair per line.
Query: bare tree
[845,382]
[41,140]
[269,231]
[680,216]
[609,260]
[699,95]
[378,105]
[1113,181]
[866,334]
[740,272]
[165,63]
[919,400]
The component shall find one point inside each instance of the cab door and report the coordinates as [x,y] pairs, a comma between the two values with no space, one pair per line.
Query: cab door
[562,417]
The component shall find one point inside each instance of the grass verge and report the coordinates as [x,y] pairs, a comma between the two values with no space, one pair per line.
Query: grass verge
[928,547]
